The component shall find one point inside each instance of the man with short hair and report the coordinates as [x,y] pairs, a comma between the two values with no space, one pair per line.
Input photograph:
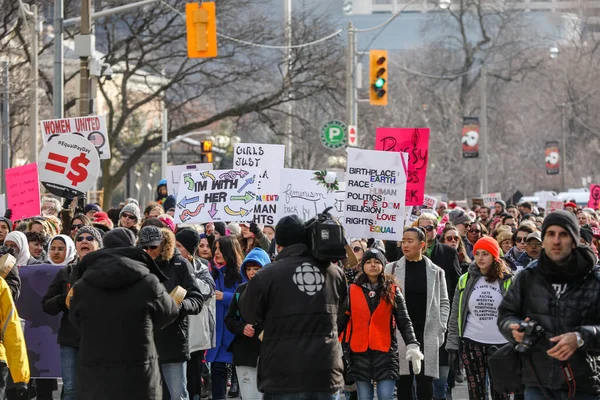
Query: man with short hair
[525,208]
[499,208]
[297,298]
[560,292]
[484,216]
[514,211]
[509,219]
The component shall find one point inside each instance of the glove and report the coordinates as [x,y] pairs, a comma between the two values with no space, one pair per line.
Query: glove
[8,214]
[254,228]
[453,359]
[414,355]
[21,389]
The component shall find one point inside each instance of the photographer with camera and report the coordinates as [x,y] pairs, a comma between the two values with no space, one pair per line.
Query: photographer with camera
[552,313]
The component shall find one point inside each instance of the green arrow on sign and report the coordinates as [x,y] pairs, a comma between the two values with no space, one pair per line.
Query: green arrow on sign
[248,197]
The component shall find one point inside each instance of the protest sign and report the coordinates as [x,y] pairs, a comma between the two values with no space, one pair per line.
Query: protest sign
[546,197]
[491,198]
[477,201]
[303,196]
[594,201]
[174,173]
[222,195]
[375,194]
[23,191]
[2,204]
[92,127]
[555,205]
[69,166]
[269,158]
[415,142]
[41,329]
[430,202]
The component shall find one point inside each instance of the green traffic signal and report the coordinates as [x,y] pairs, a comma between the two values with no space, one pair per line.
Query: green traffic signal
[379,83]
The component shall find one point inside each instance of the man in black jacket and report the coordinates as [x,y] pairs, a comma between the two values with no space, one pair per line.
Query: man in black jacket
[297,299]
[561,292]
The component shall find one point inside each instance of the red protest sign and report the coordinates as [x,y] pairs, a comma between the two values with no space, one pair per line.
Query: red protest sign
[594,201]
[415,142]
[23,191]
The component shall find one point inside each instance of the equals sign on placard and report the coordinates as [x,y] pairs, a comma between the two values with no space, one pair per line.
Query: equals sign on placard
[58,158]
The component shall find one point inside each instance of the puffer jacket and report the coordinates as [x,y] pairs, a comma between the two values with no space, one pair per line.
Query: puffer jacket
[577,309]
[202,326]
[460,308]
[373,364]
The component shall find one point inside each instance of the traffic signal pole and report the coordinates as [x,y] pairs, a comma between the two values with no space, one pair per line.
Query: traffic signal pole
[351,90]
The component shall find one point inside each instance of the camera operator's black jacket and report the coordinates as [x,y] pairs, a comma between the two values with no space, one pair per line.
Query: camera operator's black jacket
[577,309]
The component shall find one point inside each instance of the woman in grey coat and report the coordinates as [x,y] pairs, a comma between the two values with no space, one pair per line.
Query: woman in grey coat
[424,286]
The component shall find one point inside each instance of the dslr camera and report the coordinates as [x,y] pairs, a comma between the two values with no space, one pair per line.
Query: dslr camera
[533,332]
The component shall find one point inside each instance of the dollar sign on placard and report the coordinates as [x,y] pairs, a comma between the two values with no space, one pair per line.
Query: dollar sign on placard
[81,173]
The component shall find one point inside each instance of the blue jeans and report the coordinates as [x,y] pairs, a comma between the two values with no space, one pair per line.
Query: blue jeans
[302,396]
[68,367]
[534,393]
[385,390]
[439,385]
[174,375]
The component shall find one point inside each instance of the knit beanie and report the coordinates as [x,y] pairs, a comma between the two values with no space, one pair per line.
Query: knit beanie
[459,216]
[488,244]
[7,222]
[189,239]
[373,253]
[504,235]
[169,202]
[119,237]
[102,218]
[91,231]
[586,234]
[565,220]
[290,230]
[502,204]
[131,208]
[90,207]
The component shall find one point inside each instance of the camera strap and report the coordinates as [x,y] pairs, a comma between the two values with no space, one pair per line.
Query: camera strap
[569,378]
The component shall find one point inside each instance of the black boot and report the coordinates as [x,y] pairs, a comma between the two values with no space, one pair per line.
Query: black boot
[234,390]
[206,392]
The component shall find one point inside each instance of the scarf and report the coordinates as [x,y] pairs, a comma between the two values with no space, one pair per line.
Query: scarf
[70,252]
[21,241]
[576,267]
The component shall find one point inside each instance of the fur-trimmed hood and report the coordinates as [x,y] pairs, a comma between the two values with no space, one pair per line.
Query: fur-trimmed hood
[168,246]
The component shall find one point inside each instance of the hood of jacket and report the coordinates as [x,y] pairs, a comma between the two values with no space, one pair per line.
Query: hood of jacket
[258,256]
[113,269]
[168,249]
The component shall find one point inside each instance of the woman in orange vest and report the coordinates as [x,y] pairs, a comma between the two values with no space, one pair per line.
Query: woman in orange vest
[374,309]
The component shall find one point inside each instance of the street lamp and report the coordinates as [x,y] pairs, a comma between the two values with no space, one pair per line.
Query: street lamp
[554,51]
[445,4]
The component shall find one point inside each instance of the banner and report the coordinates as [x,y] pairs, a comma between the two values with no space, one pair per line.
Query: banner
[477,201]
[470,137]
[23,191]
[415,142]
[223,195]
[92,127]
[552,158]
[269,158]
[41,329]
[555,205]
[546,197]
[174,173]
[430,202]
[594,201]
[491,198]
[303,196]
[375,194]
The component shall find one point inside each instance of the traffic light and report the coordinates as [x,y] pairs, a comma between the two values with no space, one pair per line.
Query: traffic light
[201,26]
[206,153]
[378,83]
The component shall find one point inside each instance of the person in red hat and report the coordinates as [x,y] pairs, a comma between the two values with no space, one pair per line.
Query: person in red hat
[571,206]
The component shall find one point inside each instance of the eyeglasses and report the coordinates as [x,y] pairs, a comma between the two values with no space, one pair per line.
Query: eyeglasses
[78,226]
[474,231]
[452,239]
[356,249]
[428,228]
[149,247]
[86,238]
[130,216]
[521,239]
[534,244]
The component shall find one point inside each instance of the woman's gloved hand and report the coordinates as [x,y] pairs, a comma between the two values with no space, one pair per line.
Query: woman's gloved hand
[414,355]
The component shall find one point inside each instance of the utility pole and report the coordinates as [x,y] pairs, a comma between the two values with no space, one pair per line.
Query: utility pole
[5,123]
[84,73]
[57,88]
[165,140]
[484,130]
[33,112]
[351,89]
[288,78]
[563,148]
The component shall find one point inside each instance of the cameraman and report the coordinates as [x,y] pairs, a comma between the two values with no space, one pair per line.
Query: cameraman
[561,292]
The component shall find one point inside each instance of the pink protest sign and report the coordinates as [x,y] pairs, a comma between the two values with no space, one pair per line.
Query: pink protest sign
[415,142]
[594,201]
[23,191]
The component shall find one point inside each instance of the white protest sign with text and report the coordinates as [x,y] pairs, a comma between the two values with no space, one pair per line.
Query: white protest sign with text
[269,158]
[430,202]
[375,194]
[174,173]
[92,127]
[303,196]
[491,198]
[222,195]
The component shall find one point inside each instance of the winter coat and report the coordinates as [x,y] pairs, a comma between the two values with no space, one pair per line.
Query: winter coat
[117,305]
[297,298]
[523,260]
[202,326]
[12,347]
[460,307]
[446,258]
[54,303]
[576,309]
[224,337]
[172,342]
[513,255]
[13,280]
[373,364]
[436,322]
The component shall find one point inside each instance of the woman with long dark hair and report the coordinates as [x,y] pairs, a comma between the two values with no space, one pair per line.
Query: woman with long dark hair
[451,237]
[225,270]
[374,310]
[474,319]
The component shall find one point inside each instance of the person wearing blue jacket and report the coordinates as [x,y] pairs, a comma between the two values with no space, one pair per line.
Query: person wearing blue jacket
[226,273]
[246,344]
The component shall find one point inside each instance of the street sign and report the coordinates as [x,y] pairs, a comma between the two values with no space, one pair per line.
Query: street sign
[352,136]
[333,134]
[92,127]
[69,166]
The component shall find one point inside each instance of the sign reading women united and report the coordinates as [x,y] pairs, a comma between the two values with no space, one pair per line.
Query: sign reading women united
[375,194]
